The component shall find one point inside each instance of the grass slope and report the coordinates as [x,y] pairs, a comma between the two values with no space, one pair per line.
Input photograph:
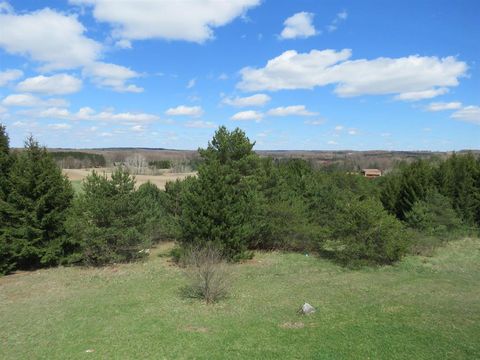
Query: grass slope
[422,308]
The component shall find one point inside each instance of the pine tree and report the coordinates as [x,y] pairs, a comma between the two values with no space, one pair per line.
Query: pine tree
[417,179]
[459,179]
[39,198]
[106,224]
[6,256]
[222,206]
[5,162]
[390,192]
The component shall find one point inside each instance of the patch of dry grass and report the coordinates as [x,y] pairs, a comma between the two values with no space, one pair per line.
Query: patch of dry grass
[76,175]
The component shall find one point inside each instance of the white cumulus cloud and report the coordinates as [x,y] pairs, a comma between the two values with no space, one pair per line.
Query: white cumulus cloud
[57,41]
[123,44]
[409,78]
[9,75]
[125,117]
[112,76]
[293,110]
[440,106]
[316,122]
[299,25]
[200,124]
[61,126]
[192,20]
[253,100]
[341,16]
[28,100]
[183,110]
[55,113]
[247,115]
[58,84]
[420,95]
[138,128]
[49,37]
[469,114]
[89,114]
[191,83]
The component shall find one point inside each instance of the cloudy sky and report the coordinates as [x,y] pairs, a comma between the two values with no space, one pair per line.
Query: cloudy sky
[294,74]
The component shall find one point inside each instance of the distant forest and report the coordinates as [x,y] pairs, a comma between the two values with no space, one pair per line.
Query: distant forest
[187,160]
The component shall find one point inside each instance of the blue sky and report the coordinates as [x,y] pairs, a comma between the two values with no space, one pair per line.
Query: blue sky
[310,75]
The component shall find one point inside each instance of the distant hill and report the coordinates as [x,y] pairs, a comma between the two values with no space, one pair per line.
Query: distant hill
[342,159]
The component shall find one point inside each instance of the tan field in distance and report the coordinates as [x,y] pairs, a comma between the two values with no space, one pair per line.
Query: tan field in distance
[159,180]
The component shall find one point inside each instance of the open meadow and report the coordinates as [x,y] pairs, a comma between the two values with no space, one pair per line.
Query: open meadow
[77,175]
[421,308]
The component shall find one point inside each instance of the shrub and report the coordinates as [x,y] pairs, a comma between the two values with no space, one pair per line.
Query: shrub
[160,164]
[282,222]
[433,216]
[207,273]
[365,234]
[158,224]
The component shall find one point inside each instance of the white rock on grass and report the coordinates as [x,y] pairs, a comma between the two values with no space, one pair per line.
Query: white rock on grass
[307,309]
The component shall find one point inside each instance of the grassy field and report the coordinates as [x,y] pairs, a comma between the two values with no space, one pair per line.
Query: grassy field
[422,308]
[77,175]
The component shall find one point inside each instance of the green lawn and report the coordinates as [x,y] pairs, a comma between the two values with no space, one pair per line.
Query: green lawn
[422,308]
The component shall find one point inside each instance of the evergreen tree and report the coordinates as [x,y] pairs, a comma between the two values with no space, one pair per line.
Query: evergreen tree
[222,206]
[416,181]
[458,178]
[366,234]
[5,160]
[433,216]
[284,221]
[106,224]
[390,192]
[158,223]
[6,254]
[39,198]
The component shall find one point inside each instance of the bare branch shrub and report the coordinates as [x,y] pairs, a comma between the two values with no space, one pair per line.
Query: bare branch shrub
[208,273]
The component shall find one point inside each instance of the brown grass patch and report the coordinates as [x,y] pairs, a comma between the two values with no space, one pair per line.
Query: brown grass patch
[292,325]
[159,180]
[197,329]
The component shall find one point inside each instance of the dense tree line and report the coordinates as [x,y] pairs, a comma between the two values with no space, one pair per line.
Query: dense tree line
[78,160]
[237,203]
[454,183]
[240,202]
[160,164]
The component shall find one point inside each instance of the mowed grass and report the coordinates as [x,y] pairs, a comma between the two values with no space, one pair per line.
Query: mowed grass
[422,308]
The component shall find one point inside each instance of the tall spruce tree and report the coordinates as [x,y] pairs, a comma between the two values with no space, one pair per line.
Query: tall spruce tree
[222,206]
[7,261]
[459,179]
[39,198]
[417,179]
